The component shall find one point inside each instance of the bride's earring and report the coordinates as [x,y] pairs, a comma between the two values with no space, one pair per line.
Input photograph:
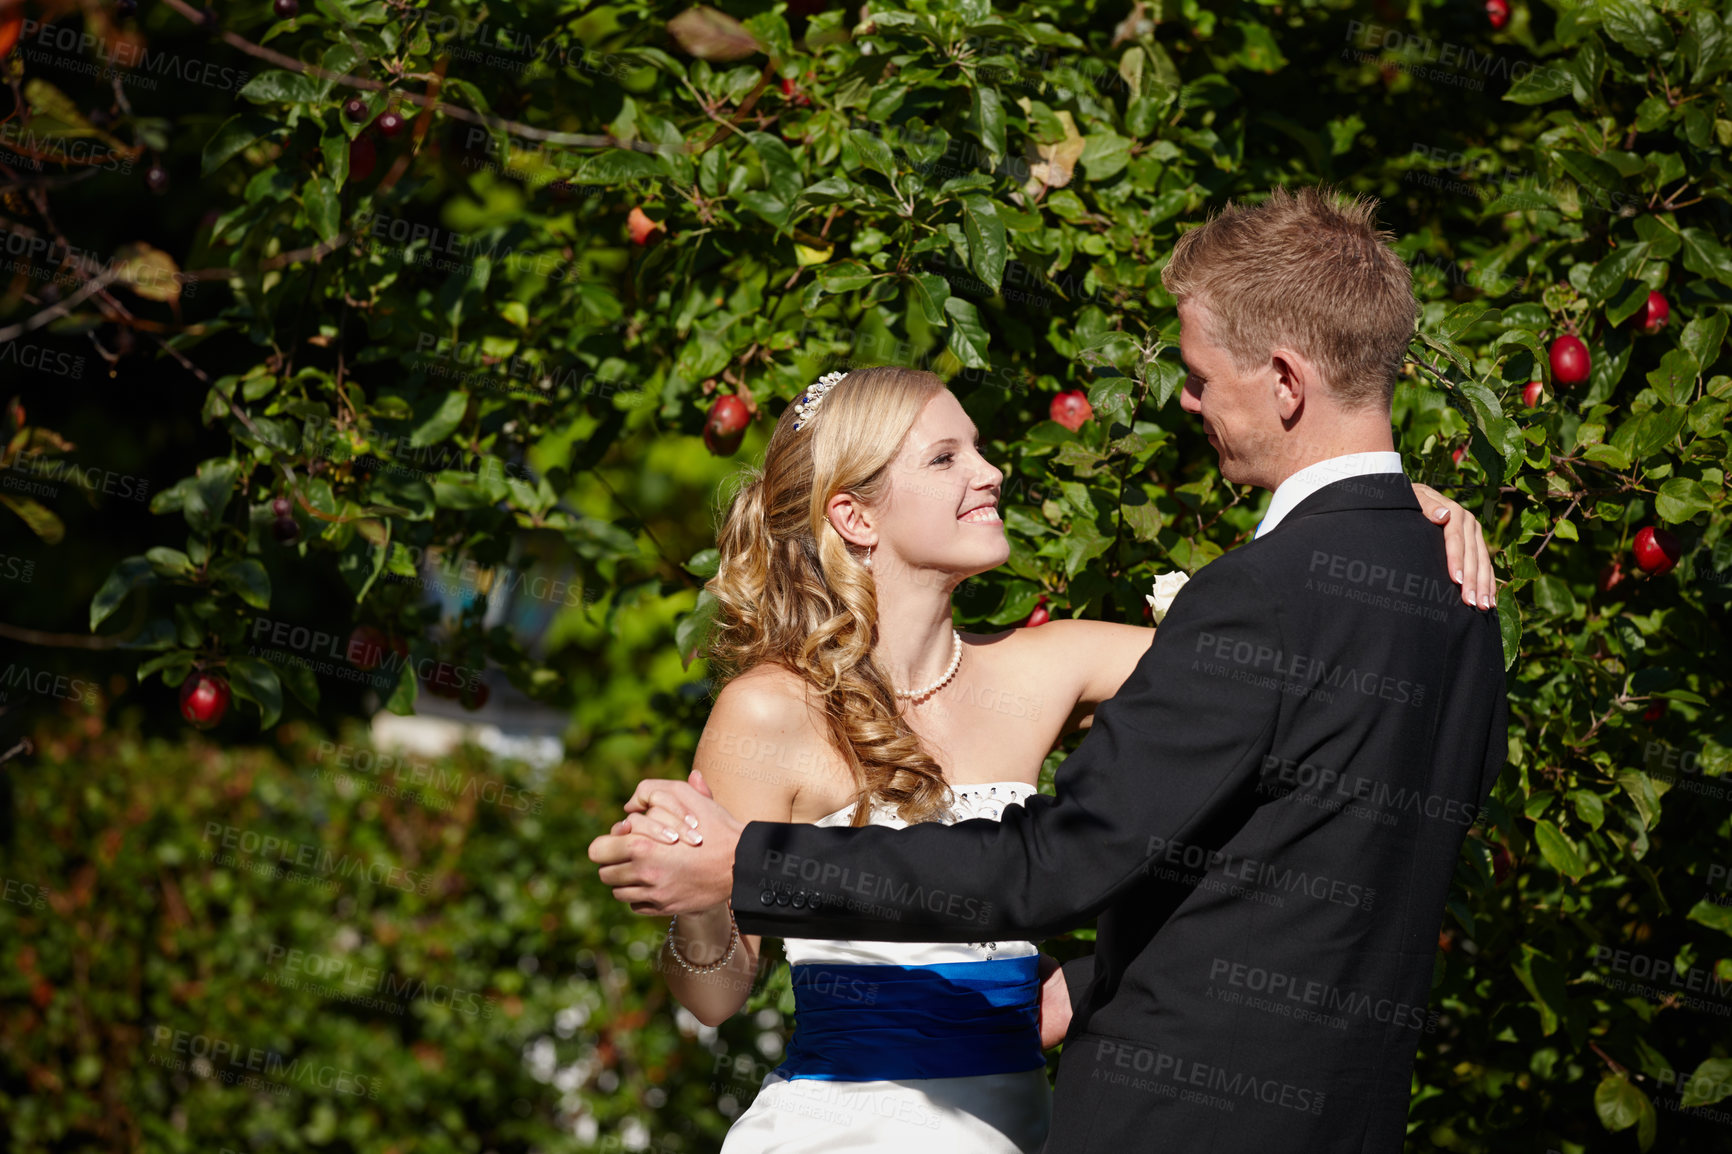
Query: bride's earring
[869,549]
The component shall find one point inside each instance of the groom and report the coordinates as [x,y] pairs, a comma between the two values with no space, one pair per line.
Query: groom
[1266,818]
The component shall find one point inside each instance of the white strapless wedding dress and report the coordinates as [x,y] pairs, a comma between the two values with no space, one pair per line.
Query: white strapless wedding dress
[908,1047]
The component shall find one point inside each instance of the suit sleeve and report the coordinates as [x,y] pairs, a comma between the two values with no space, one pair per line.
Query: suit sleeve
[1168,760]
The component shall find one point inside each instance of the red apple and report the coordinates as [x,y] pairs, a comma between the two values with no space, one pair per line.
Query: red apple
[725,426]
[1570,361]
[1501,865]
[363,154]
[1040,616]
[641,226]
[1458,454]
[367,645]
[204,698]
[11,25]
[1658,313]
[1611,575]
[1656,550]
[1654,712]
[1497,11]
[1071,409]
[444,681]
[1532,394]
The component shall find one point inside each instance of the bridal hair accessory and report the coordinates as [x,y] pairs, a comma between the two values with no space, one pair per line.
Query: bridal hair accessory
[1167,586]
[808,402]
[733,940]
[955,661]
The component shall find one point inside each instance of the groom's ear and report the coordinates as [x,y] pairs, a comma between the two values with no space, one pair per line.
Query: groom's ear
[1295,379]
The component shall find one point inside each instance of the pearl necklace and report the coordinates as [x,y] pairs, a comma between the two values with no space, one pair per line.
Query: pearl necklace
[955,661]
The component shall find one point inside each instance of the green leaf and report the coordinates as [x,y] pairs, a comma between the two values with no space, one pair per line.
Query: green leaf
[1083,544]
[872,152]
[1675,378]
[693,629]
[1544,980]
[248,580]
[1703,337]
[1553,597]
[1621,1105]
[988,119]
[320,198]
[168,562]
[1706,45]
[443,422]
[1680,499]
[126,576]
[1539,86]
[176,663]
[705,563]
[1610,274]
[931,293]
[1711,1082]
[1636,26]
[968,337]
[280,84]
[1509,625]
[255,680]
[987,246]
[1559,850]
[235,134]
[213,486]
[1706,256]
[1712,914]
[1105,155]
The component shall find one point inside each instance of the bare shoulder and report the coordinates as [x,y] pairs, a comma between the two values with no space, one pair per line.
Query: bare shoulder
[765,696]
[765,745]
[1085,661]
[1066,646]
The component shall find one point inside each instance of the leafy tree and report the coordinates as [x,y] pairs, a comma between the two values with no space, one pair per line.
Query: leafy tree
[470,281]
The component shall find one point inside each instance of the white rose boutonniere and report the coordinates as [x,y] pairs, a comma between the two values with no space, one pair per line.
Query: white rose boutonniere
[1167,586]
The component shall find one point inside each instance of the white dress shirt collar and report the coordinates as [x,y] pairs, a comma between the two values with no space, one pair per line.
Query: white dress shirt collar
[1313,477]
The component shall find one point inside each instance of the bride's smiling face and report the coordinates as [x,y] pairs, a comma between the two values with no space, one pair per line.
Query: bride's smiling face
[941,511]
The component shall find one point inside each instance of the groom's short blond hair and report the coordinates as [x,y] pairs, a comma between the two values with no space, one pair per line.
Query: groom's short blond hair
[1307,269]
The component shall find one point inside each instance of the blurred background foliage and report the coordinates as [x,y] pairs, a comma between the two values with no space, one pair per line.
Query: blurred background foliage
[498,283]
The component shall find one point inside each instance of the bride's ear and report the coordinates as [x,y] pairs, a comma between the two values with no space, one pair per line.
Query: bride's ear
[851,519]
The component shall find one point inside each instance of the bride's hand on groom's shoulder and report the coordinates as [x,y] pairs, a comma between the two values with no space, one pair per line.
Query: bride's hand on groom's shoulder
[674,851]
[1463,545]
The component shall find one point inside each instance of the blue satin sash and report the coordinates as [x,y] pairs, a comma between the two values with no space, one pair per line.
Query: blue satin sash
[863,1023]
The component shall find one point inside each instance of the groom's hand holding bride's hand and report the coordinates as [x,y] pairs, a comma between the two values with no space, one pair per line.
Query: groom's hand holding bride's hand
[674,853]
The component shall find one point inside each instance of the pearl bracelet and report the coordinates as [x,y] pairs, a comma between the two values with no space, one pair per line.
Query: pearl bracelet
[733,941]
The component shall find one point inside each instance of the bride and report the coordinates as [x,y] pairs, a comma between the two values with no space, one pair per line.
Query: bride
[845,683]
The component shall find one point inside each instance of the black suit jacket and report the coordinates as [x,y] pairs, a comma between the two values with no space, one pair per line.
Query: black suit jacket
[1265,819]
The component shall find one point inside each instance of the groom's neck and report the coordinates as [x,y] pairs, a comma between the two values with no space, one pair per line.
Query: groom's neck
[1330,440]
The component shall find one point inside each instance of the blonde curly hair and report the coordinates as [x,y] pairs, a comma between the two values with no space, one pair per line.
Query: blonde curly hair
[794,593]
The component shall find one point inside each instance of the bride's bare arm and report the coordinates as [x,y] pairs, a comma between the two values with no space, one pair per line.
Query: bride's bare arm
[1089,660]
[754,755]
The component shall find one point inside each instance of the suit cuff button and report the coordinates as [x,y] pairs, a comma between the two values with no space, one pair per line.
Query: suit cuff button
[767,898]
[782,898]
[799,901]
